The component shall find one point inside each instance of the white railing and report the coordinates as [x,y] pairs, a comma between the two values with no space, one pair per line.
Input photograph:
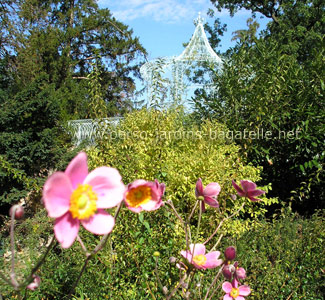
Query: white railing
[87,130]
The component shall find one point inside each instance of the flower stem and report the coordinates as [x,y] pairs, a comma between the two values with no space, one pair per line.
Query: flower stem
[212,284]
[157,275]
[82,245]
[177,287]
[221,222]
[192,212]
[14,282]
[99,246]
[29,279]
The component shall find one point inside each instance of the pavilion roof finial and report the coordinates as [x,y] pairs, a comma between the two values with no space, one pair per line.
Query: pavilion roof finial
[198,20]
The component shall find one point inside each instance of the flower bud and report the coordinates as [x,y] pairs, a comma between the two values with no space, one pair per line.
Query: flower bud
[233,197]
[185,285]
[228,271]
[156,254]
[35,284]
[172,259]
[240,273]
[230,253]
[165,290]
[19,211]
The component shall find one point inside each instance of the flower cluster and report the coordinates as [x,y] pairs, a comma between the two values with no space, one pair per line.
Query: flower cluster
[77,197]
[231,271]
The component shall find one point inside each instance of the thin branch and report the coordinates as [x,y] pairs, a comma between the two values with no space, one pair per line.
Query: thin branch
[40,262]
[222,221]
[80,77]
[99,246]
[177,287]
[157,275]
[82,245]
[14,282]
[212,284]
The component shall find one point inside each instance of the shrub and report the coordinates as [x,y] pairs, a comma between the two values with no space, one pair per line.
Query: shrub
[168,146]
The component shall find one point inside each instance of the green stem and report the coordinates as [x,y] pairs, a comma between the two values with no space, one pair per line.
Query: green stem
[99,246]
[29,279]
[14,282]
[221,222]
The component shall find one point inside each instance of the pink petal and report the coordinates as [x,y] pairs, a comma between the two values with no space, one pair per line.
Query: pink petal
[56,194]
[240,298]
[227,287]
[241,273]
[198,249]
[107,183]
[152,205]
[100,223]
[134,209]
[160,187]
[136,183]
[255,193]
[212,189]
[248,185]
[244,290]
[254,199]
[238,189]
[199,188]
[77,169]
[66,229]
[34,284]
[212,260]
[187,255]
[227,297]
[210,201]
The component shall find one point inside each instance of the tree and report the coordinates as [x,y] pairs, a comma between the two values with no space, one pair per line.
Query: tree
[275,83]
[56,59]
[63,39]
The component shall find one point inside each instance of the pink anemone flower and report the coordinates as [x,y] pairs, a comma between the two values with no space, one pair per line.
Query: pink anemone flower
[234,292]
[209,193]
[34,284]
[248,190]
[144,195]
[74,196]
[197,257]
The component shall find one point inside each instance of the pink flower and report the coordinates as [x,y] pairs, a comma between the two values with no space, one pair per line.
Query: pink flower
[74,196]
[209,193]
[34,284]
[196,256]
[233,270]
[248,190]
[234,292]
[144,195]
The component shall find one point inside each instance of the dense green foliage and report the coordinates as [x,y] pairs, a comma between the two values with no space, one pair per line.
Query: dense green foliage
[282,258]
[63,39]
[29,138]
[59,60]
[275,84]
[167,146]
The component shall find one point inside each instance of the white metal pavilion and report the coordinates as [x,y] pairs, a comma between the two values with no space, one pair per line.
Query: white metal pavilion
[167,78]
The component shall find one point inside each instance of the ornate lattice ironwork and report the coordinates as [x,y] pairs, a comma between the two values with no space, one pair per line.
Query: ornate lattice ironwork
[168,78]
[87,130]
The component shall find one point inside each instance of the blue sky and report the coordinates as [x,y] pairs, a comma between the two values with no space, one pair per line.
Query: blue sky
[164,25]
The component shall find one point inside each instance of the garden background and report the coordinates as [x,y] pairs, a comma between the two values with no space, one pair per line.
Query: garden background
[66,60]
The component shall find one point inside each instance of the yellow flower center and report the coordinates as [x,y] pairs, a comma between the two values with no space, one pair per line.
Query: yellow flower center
[199,259]
[83,202]
[138,196]
[234,293]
